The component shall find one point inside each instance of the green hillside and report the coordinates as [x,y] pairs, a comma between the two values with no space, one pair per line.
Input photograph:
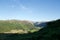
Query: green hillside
[50,32]
[8,25]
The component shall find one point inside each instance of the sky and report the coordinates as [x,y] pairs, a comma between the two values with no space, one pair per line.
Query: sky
[34,10]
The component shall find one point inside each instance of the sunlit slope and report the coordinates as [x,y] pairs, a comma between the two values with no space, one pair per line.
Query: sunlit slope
[9,25]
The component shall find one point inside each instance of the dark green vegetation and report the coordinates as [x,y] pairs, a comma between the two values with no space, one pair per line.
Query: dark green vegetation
[8,25]
[50,32]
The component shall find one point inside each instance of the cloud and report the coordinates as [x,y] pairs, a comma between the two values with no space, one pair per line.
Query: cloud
[23,7]
[12,6]
[14,0]
[26,9]
[20,6]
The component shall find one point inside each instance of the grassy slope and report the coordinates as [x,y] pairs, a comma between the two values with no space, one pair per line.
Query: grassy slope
[8,25]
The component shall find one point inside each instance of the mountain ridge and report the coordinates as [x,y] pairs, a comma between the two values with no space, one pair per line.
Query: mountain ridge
[16,24]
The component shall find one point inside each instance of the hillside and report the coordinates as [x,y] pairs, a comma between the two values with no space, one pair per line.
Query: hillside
[7,26]
[40,24]
[50,32]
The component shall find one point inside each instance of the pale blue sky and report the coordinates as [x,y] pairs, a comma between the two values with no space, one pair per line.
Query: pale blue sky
[34,10]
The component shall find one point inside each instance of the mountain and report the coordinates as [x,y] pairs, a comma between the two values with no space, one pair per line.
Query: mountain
[40,24]
[7,26]
[50,32]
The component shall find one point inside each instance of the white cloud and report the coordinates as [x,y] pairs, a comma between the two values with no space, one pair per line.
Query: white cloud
[19,5]
[23,7]
[12,6]
[14,0]
[26,9]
